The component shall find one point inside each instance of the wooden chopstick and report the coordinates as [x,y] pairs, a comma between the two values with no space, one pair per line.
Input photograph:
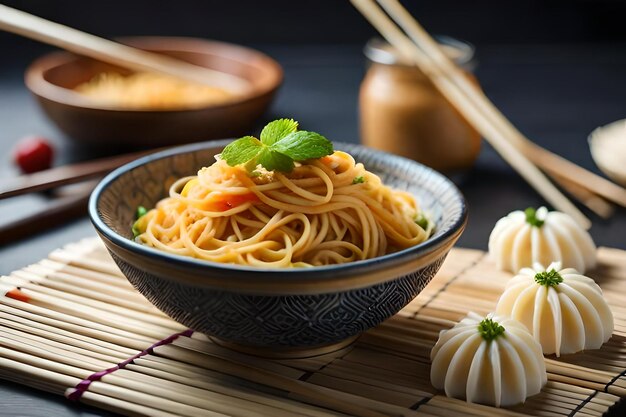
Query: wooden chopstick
[25,24]
[447,86]
[593,202]
[64,175]
[554,165]
[59,211]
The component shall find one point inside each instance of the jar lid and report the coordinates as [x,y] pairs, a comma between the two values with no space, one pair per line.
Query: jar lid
[381,52]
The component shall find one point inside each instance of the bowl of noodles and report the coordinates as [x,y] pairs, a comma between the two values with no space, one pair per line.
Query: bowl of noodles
[101,104]
[285,264]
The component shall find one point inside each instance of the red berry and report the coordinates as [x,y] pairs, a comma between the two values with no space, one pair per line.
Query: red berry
[33,154]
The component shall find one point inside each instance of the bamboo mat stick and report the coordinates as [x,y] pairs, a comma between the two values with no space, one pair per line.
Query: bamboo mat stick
[95,287]
[48,340]
[39,327]
[180,368]
[199,381]
[75,256]
[53,360]
[122,322]
[188,394]
[371,376]
[55,383]
[111,334]
[82,299]
[121,379]
[66,340]
[388,401]
[178,408]
[122,407]
[55,380]
[548,161]
[76,373]
[74,358]
[127,388]
[213,350]
[507,150]
[46,351]
[317,395]
[100,300]
[93,276]
[454,404]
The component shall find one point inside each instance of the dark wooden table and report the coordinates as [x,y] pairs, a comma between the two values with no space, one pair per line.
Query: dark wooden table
[556,94]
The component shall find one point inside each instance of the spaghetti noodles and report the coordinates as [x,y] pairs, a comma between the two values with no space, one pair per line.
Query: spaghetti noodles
[150,91]
[329,210]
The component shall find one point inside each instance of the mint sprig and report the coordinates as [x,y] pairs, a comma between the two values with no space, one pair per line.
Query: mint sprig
[277,130]
[280,146]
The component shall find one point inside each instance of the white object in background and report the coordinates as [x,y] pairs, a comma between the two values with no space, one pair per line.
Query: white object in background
[538,236]
[608,149]
[493,361]
[564,310]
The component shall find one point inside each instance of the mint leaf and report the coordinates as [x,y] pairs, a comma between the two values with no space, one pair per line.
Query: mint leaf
[274,161]
[303,145]
[278,129]
[242,150]
[280,146]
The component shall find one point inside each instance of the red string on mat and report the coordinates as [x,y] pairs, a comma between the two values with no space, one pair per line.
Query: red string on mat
[77,392]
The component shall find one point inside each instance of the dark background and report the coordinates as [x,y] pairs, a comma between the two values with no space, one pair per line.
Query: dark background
[557,69]
[335,21]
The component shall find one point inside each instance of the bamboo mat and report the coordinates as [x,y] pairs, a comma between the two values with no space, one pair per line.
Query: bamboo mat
[75,314]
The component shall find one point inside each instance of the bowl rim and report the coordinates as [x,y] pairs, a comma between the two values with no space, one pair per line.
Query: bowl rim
[41,87]
[244,273]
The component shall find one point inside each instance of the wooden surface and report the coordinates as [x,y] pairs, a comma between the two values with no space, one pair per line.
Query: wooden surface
[386,371]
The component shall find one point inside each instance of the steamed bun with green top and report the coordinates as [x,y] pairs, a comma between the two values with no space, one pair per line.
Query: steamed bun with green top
[524,238]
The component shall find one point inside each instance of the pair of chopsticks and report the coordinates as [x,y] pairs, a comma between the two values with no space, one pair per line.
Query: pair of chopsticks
[63,207]
[37,28]
[403,32]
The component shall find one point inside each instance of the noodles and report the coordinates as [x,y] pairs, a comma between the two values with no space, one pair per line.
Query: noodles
[326,211]
[150,91]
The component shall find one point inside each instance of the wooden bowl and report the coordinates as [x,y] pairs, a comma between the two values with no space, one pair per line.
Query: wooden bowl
[290,312]
[53,77]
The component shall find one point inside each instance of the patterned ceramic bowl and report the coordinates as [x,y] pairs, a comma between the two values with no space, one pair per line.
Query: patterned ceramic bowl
[283,312]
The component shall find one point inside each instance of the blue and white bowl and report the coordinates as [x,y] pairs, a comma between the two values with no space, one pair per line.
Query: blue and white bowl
[276,312]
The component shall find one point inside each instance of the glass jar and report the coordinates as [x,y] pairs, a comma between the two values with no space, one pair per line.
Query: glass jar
[402,112]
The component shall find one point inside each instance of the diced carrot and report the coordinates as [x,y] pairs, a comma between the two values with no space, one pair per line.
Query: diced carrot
[229,201]
[326,160]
